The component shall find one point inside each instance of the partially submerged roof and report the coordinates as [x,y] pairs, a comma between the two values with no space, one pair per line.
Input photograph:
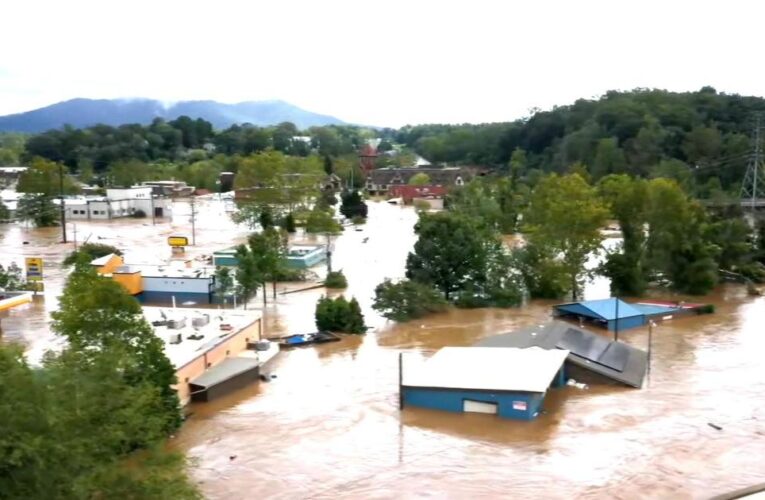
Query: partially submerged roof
[484,368]
[226,369]
[102,261]
[596,353]
[603,309]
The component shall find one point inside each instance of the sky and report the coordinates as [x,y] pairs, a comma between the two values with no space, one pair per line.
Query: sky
[384,63]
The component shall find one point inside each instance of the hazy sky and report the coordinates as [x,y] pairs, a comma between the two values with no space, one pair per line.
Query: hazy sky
[382,63]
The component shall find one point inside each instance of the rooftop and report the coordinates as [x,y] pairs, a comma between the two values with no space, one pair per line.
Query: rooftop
[606,309]
[212,335]
[488,368]
[171,270]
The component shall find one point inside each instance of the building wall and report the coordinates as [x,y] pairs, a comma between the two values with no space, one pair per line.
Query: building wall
[199,365]
[113,263]
[626,323]
[171,284]
[509,404]
[132,282]
[224,260]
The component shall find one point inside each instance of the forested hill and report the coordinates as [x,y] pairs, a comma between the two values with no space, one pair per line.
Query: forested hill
[87,112]
[705,134]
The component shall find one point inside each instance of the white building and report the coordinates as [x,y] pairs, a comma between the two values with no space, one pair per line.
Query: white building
[118,202]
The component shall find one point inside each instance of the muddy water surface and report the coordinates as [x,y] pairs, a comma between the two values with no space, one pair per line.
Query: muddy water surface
[329,426]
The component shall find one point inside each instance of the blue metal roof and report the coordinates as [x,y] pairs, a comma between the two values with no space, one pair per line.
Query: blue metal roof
[655,309]
[604,309]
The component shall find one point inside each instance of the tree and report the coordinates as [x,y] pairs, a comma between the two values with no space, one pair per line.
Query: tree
[44,177]
[5,214]
[268,250]
[336,279]
[628,200]
[126,173]
[11,278]
[39,209]
[248,277]
[329,168]
[88,252]
[419,179]
[609,158]
[543,274]
[69,426]
[97,314]
[407,300]
[224,282]
[339,315]
[289,223]
[353,205]
[321,222]
[565,216]
[450,253]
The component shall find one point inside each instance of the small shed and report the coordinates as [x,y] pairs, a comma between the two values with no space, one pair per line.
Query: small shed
[508,382]
[609,313]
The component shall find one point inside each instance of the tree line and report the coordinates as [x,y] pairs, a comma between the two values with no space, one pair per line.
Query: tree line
[669,239]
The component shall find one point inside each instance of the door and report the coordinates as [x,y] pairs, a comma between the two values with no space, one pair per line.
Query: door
[471,406]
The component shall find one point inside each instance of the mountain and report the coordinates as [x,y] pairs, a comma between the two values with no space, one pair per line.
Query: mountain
[86,112]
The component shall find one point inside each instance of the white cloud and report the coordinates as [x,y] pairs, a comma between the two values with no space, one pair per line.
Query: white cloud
[386,63]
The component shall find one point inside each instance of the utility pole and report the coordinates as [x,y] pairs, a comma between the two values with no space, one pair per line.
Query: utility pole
[193,221]
[74,233]
[153,211]
[752,188]
[61,195]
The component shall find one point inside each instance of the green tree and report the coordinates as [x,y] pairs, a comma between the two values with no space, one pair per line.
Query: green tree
[248,276]
[126,173]
[517,165]
[289,223]
[5,214]
[336,279]
[88,252]
[565,216]
[353,205]
[268,249]
[224,282]
[407,300]
[419,179]
[339,315]
[628,201]
[451,252]
[97,314]
[44,177]
[11,278]
[39,209]
[609,158]
[321,222]
[543,274]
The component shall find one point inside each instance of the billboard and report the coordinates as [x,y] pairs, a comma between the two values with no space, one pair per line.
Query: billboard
[34,268]
[178,241]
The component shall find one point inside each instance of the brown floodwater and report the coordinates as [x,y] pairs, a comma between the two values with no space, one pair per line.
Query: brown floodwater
[329,425]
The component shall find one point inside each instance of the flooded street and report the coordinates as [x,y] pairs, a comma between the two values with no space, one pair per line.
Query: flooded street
[329,425]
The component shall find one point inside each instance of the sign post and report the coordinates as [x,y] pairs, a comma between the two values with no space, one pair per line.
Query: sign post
[34,272]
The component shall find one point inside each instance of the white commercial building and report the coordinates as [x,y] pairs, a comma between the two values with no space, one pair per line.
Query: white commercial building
[118,202]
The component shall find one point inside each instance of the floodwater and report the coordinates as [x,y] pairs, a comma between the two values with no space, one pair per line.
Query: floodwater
[329,425]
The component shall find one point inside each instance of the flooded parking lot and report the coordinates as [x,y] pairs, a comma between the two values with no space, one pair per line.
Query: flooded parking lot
[329,425]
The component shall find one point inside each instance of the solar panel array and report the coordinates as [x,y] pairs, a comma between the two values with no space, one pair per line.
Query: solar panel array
[595,348]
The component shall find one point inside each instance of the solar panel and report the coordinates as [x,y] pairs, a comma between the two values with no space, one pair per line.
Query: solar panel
[580,343]
[615,356]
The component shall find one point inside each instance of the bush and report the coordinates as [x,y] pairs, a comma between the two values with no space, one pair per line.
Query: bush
[706,309]
[89,252]
[357,220]
[138,214]
[336,279]
[289,223]
[339,315]
[352,205]
[289,274]
[407,300]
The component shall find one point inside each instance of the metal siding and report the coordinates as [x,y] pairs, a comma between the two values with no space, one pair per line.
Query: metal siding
[175,284]
[627,323]
[180,297]
[578,309]
[451,400]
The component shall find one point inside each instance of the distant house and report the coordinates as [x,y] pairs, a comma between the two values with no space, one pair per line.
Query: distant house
[118,202]
[409,193]
[381,180]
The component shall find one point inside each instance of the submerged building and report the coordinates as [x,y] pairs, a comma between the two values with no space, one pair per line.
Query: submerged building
[510,382]
[298,256]
[213,351]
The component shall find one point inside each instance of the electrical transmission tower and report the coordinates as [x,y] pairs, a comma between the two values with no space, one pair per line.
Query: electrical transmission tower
[753,188]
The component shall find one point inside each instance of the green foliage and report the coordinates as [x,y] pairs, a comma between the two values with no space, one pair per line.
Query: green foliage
[289,223]
[126,173]
[45,177]
[451,252]
[224,281]
[248,276]
[407,300]
[419,179]
[5,214]
[495,202]
[12,279]
[564,217]
[96,314]
[70,427]
[262,260]
[336,279]
[38,209]
[339,315]
[353,205]
[321,222]
[88,252]
[544,276]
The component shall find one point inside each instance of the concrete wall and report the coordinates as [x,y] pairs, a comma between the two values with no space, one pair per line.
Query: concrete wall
[509,404]
[231,347]
[171,284]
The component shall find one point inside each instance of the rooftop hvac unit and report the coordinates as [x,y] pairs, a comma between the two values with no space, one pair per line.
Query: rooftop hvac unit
[177,323]
[200,321]
[175,338]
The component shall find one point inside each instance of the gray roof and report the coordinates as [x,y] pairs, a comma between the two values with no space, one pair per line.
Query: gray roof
[226,369]
[438,176]
[596,353]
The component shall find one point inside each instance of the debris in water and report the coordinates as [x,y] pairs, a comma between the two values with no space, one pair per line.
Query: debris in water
[578,385]
[714,426]
[232,457]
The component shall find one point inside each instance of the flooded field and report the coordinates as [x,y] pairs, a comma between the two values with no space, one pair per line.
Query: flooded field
[329,425]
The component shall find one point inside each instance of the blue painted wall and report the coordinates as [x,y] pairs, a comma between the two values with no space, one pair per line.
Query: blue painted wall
[627,323]
[180,298]
[453,400]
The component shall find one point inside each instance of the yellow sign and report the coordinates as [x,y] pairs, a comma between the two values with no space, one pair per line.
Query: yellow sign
[178,241]
[34,267]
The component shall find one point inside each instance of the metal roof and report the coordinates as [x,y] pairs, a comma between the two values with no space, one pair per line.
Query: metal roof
[596,353]
[226,369]
[605,309]
[485,368]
